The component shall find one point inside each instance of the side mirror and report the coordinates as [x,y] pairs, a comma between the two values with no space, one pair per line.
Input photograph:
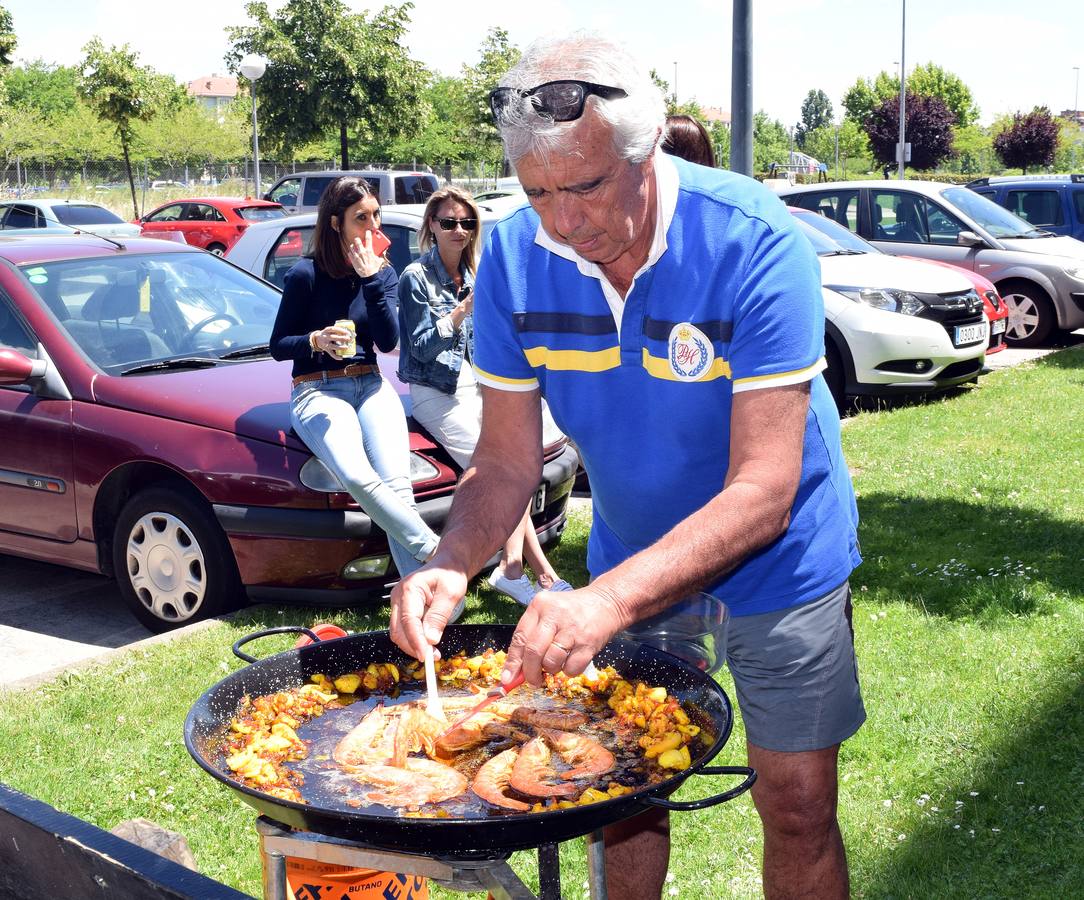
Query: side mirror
[18,369]
[969,239]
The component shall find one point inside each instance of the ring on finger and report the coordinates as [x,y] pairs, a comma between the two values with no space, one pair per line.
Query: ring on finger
[561,647]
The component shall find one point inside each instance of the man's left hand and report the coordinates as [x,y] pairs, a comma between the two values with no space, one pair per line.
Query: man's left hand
[561,632]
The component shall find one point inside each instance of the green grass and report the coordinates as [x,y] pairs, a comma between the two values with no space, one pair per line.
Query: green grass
[969,619]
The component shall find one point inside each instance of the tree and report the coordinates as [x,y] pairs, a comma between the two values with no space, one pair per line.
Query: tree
[121,92]
[49,90]
[928,129]
[847,136]
[816,113]
[864,95]
[1070,153]
[720,140]
[972,146]
[8,41]
[330,70]
[498,55]
[771,143]
[1031,140]
[930,80]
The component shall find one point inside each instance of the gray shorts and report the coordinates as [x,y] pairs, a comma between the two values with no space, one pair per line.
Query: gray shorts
[796,674]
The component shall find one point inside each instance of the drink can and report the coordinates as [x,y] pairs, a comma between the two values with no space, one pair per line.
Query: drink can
[350,349]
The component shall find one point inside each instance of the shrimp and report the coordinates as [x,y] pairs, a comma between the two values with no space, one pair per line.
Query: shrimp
[560,717]
[421,781]
[417,731]
[533,772]
[472,732]
[586,755]
[370,742]
[492,781]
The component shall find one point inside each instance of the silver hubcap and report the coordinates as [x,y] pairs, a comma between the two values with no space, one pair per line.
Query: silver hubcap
[1023,316]
[166,567]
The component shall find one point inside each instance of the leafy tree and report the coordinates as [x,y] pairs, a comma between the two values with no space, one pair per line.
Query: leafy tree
[498,55]
[48,89]
[930,80]
[850,138]
[972,146]
[190,135]
[720,140]
[1030,140]
[816,113]
[928,129]
[1070,153]
[8,41]
[688,108]
[771,142]
[121,92]
[330,70]
[861,98]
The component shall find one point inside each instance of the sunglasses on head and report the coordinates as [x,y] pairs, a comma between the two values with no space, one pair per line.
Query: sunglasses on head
[559,101]
[448,223]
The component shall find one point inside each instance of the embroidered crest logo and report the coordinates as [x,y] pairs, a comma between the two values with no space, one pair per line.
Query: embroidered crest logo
[691,353]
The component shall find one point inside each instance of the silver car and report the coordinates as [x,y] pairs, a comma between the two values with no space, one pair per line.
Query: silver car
[1039,275]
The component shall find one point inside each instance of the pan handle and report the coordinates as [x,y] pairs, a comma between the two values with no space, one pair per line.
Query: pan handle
[686,805]
[282,629]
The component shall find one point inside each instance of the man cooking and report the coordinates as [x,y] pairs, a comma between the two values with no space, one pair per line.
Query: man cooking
[671,316]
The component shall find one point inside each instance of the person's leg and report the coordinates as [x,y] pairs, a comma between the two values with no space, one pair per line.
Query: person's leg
[326,419]
[535,555]
[637,856]
[795,795]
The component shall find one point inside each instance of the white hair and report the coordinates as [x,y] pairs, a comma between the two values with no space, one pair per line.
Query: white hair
[637,120]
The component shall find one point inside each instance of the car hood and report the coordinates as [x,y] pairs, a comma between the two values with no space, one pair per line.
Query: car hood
[1060,245]
[883,271]
[250,399]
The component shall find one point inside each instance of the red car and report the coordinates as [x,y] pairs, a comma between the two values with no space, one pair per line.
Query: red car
[212,223]
[147,436]
[992,304]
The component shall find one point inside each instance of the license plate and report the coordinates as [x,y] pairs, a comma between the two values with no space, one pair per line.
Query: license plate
[998,326]
[538,503]
[969,334]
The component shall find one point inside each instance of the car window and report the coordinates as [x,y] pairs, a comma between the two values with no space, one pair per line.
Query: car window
[314,189]
[995,219]
[1078,204]
[1036,206]
[22,215]
[202,212]
[289,248]
[944,228]
[84,214]
[169,213]
[828,236]
[899,216]
[139,308]
[414,188]
[13,334]
[839,206]
[404,246]
[260,213]
[286,192]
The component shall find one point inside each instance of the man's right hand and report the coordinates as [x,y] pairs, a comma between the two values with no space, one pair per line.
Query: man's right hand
[421,605]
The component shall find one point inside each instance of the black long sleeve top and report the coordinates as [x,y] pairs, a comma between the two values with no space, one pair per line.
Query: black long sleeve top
[312,300]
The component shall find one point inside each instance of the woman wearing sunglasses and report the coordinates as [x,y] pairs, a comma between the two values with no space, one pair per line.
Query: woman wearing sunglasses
[345,412]
[436,300]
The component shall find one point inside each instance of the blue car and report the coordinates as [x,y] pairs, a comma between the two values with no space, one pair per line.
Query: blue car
[1053,203]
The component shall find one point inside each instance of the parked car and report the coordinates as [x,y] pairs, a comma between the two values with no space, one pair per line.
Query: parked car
[147,436]
[211,223]
[1052,202]
[1040,276]
[501,201]
[63,215]
[892,326]
[302,191]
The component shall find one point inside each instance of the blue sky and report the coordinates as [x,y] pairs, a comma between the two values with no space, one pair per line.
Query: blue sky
[1012,55]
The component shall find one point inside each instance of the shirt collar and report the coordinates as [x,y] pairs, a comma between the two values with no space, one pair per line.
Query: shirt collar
[431,257]
[666,194]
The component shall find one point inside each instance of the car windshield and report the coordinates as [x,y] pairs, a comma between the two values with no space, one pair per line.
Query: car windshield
[830,237]
[997,220]
[85,214]
[132,309]
[260,213]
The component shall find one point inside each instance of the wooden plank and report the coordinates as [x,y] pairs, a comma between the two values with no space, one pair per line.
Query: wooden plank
[50,855]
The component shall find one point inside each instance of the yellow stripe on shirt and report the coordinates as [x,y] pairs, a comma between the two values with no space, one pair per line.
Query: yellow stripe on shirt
[797,376]
[657,367]
[574,360]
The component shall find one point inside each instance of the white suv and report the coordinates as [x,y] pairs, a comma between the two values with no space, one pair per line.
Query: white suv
[302,191]
[893,326]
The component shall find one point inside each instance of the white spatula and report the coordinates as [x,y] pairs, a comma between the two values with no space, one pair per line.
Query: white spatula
[433,706]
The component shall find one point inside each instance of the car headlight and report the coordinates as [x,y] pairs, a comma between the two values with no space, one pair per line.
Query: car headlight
[318,477]
[883,298]
[1076,272]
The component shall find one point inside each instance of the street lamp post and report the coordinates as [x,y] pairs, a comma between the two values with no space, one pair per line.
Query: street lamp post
[253,67]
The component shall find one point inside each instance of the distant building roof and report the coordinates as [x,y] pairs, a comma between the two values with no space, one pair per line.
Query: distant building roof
[213,86]
[715,114]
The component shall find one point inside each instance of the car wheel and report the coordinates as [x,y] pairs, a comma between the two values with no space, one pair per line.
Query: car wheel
[1031,315]
[172,562]
[835,375]
[217,249]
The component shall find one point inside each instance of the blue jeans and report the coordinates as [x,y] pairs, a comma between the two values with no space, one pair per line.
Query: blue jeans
[356,427]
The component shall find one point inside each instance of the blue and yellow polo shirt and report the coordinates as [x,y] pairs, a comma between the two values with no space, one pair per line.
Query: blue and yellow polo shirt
[729,300]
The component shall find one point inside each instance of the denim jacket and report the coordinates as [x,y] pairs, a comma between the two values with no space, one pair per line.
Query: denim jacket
[430,349]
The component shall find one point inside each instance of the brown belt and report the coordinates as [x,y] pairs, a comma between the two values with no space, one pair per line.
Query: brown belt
[351,371]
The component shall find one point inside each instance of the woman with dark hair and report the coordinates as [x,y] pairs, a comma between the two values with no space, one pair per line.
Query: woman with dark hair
[337,309]
[688,138]
[436,300]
